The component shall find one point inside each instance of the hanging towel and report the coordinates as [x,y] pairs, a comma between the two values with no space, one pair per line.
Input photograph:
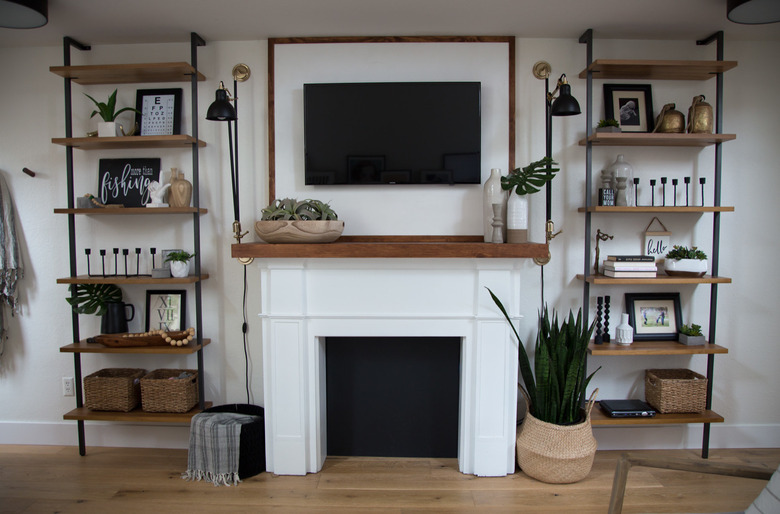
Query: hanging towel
[10,262]
[215,439]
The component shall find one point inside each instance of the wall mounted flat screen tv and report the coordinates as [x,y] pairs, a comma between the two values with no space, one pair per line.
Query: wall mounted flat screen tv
[392,133]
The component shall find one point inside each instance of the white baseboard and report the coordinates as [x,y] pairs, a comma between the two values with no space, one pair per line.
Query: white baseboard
[137,435]
[177,436]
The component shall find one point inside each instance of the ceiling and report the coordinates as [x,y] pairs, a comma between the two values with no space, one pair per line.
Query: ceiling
[160,21]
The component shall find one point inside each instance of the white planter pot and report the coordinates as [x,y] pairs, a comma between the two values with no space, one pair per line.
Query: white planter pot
[180,269]
[107,129]
[685,267]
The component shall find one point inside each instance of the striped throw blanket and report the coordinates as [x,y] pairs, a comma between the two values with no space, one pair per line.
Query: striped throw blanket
[215,439]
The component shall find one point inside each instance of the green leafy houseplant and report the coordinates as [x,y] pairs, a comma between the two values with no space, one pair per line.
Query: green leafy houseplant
[531,178]
[292,209]
[179,256]
[693,331]
[107,110]
[92,298]
[556,385]
[683,252]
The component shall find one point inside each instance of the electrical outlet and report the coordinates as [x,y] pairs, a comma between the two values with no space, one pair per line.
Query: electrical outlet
[68,387]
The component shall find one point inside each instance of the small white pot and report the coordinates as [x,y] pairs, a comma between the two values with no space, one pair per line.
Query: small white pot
[107,129]
[180,269]
[685,267]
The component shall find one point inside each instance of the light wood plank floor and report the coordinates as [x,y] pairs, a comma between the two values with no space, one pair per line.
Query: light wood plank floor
[116,480]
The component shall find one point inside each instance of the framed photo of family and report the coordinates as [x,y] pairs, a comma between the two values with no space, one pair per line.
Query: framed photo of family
[631,105]
[654,316]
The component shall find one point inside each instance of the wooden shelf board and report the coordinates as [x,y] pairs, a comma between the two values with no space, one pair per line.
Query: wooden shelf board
[599,418]
[134,416]
[98,211]
[655,139]
[660,279]
[656,208]
[84,279]
[85,347]
[408,247]
[656,69]
[127,142]
[128,73]
[653,348]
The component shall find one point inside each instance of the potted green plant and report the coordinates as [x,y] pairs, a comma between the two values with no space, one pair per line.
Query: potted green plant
[555,443]
[609,125]
[691,335]
[685,262]
[292,221]
[104,300]
[180,263]
[524,181]
[108,113]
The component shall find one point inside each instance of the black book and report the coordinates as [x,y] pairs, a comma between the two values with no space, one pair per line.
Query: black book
[631,258]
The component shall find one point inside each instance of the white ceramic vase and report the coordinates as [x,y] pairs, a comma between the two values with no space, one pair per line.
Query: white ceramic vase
[624,333]
[180,269]
[623,172]
[492,193]
[517,218]
[685,267]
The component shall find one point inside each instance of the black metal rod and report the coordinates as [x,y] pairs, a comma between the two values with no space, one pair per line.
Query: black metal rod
[587,39]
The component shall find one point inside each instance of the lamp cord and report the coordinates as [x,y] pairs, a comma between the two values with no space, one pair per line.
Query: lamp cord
[244,328]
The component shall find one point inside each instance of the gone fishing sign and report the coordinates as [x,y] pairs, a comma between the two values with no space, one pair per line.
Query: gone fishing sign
[126,181]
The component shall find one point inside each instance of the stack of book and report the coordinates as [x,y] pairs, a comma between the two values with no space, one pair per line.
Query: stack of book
[630,266]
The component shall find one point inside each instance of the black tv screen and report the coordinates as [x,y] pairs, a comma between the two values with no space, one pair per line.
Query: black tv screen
[392,133]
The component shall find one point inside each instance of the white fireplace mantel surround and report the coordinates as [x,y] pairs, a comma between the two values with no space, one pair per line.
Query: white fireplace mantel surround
[304,301]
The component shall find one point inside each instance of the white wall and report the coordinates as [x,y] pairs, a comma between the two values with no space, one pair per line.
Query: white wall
[30,375]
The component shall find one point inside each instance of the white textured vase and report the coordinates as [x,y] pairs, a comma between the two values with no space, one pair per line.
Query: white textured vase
[180,269]
[492,193]
[107,129]
[517,218]
[622,169]
[624,333]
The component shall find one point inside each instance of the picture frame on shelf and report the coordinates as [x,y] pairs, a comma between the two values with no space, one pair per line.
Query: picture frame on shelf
[126,181]
[631,105]
[166,310]
[159,111]
[654,316]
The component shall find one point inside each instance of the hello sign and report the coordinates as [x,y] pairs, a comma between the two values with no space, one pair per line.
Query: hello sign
[657,243]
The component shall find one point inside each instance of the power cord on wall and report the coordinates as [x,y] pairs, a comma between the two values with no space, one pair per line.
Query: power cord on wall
[244,328]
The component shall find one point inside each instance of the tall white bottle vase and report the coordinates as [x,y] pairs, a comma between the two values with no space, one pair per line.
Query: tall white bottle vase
[517,218]
[492,193]
[621,168]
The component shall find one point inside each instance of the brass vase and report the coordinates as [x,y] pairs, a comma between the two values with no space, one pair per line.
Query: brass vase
[670,121]
[700,116]
[180,193]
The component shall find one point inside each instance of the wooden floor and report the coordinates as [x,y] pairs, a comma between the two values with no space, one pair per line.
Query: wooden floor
[117,480]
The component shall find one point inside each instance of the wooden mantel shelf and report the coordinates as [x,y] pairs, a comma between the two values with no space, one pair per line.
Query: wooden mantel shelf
[392,247]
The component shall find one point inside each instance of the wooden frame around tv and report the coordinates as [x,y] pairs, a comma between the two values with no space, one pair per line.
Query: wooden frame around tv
[272,42]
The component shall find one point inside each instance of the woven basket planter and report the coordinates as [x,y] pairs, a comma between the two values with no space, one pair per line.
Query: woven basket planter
[113,389]
[675,390]
[163,391]
[556,454]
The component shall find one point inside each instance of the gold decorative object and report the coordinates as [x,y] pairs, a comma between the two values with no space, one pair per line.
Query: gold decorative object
[180,193]
[600,236]
[700,116]
[670,121]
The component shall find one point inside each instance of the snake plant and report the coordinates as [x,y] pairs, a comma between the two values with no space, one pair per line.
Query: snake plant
[556,385]
[292,209]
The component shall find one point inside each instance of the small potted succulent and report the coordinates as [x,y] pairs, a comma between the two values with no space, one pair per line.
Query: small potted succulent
[108,112]
[609,125]
[685,262]
[691,335]
[180,263]
[292,221]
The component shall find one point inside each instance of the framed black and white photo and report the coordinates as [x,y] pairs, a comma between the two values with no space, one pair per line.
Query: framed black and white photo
[159,111]
[631,105]
[166,310]
[654,316]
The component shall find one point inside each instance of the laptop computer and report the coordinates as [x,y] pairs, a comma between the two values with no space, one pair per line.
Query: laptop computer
[627,408]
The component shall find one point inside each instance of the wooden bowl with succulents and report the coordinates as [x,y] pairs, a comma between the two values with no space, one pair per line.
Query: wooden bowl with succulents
[292,221]
[682,261]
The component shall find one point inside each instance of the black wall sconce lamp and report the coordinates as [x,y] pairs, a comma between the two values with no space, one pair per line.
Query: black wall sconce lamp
[562,105]
[222,110]
[24,14]
[753,12]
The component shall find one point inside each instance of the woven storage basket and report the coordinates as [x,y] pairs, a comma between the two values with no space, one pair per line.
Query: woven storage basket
[113,389]
[163,391]
[556,454]
[675,390]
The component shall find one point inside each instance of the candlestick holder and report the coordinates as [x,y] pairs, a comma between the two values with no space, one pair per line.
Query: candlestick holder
[103,259]
[652,192]
[636,197]
[88,252]
[674,184]
[702,180]
[687,181]
[663,191]
[605,337]
[597,339]
[125,253]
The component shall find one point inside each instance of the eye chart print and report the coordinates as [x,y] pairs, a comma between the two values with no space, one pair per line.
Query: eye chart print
[160,111]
